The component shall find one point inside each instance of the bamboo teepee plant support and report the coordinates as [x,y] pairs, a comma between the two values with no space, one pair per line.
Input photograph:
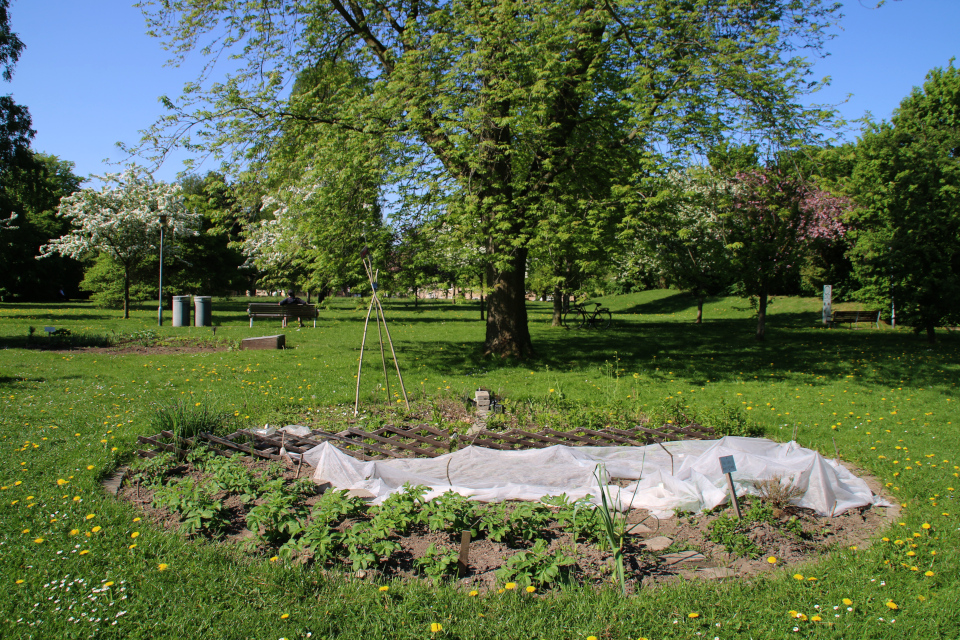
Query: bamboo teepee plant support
[375,305]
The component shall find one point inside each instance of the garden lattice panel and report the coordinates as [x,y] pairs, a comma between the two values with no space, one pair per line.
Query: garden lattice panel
[424,441]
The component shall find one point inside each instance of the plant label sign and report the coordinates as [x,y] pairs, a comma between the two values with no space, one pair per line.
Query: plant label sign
[827,302]
[727,465]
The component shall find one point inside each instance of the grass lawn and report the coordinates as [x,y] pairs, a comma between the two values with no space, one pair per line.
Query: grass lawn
[75,563]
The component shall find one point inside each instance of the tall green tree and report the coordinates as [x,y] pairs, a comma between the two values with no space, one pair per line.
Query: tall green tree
[489,103]
[31,189]
[906,230]
[15,121]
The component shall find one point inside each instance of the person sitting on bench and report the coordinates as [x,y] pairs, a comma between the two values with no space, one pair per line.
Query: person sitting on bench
[291,299]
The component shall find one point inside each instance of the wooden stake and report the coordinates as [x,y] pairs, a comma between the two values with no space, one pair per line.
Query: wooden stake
[463,563]
[733,495]
[363,341]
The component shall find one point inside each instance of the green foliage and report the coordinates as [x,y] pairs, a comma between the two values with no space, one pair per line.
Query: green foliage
[151,471]
[400,511]
[187,421]
[537,566]
[277,518]
[513,523]
[232,477]
[906,180]
[368,542]
[732,533]
[198,511]
[450,512]
[437,563]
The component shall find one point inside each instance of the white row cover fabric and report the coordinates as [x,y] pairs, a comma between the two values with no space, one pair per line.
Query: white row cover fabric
[683,475]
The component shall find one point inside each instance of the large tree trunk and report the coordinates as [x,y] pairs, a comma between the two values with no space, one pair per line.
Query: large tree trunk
[557,307]
[507,330]
[762,316]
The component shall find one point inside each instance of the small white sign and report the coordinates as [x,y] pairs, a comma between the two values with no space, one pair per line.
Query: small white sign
[827,302]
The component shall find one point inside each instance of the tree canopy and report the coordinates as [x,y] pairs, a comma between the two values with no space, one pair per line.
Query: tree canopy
[481,111]
[906,230]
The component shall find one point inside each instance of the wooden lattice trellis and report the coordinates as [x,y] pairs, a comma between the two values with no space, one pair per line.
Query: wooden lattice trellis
[421,440]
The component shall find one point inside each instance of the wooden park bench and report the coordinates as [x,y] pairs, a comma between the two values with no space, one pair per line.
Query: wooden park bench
[855,317]
[274,310]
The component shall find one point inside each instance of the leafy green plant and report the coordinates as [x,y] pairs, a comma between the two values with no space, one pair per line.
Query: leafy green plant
[513,523]
[197,510]
[450,512]
[367,542]
[229,475]
[402,510]
[614,527]
[437,563]
[277,519]
[732,533]
[537,566]
[187,421]
[151,471]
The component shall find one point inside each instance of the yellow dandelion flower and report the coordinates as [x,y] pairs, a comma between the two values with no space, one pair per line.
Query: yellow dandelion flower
[531,589]
[135,534]
[812,579]
[893,605]
[162,566]
[26,531]
[693,615]
[436,627]
[510,586]
[772,560]
[798,576]
[89,467]
[108,583]
[85,552]
[97,528]
[132,546]
[384,588]
[21,581]
[284,616]
[847,601]
[38,540]
[74,532]
[925,525]
[815,618]
[91,516]
[274,559]
[929,574]
[473,593]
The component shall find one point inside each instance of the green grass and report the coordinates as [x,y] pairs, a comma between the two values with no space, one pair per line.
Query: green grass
[886,399]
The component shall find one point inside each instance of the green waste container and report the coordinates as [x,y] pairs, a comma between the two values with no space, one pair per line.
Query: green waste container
[181,311]
[202,311]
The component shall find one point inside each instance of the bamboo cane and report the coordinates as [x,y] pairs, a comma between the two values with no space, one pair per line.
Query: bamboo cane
[363,341]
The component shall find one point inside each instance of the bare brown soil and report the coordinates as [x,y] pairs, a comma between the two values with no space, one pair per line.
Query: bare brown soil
[688,554]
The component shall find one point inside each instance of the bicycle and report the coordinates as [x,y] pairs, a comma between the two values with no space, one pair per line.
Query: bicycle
[600,317]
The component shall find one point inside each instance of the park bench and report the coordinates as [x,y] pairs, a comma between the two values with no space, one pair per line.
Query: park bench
[855,317]
[273,310]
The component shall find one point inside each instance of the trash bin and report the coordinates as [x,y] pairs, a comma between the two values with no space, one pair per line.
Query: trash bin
[202,311]
[181,311]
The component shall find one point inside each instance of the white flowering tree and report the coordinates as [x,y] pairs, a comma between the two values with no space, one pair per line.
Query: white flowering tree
[122,220]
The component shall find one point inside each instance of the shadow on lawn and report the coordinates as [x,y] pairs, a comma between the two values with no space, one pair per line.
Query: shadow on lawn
[796,349]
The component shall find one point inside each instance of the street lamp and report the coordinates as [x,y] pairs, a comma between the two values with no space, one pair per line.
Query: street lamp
[163,223]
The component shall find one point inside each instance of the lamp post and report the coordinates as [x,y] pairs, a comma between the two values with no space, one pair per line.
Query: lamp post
[163,223]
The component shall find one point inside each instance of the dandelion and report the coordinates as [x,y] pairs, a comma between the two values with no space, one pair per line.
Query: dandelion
[383,589]
[284,616]
[96,529]
[847,601]
[591,637]
[85,552]
[798,576]
[925,525]
[135,534]
[892,605]
[137,519]
[929,574]
[693,615]
[132,546]
[89,467]
[38,540]
[531,589]
[815,618]
[473,593]
[510,586]
[109,583]
[436,627]
[90,516]
[772,560]
[21,581]
[162,566]
[274,559]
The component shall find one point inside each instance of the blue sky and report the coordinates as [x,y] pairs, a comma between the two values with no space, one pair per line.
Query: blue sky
[91,76]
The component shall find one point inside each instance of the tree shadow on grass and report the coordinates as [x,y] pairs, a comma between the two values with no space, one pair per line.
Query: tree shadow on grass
[797,349]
